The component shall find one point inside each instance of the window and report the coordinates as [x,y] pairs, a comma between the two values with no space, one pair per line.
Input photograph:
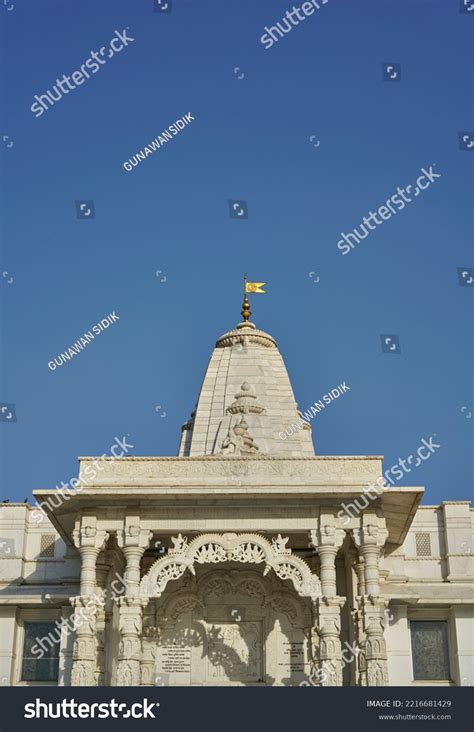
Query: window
[430,652]
[40,651]
[423,544]
[47,546]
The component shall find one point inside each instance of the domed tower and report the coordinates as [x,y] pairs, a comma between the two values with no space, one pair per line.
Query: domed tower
[246,402]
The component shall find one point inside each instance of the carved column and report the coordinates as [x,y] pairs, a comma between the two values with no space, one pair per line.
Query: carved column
[359,570]
[133,541]
[375,646]
[327,622]
[148,657]
[102,569]
[370,539]
[90,542]
[357,619]
[327,540]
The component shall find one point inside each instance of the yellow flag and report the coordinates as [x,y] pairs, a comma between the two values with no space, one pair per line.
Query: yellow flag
[255,287]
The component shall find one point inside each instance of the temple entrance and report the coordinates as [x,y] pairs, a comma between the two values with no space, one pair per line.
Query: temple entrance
[230,627]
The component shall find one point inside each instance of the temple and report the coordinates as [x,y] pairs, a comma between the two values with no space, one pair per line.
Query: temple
[237,562]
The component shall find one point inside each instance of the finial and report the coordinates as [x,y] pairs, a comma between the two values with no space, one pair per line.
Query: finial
[246,312]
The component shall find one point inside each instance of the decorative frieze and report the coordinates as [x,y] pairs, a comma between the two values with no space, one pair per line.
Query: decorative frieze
[260,470]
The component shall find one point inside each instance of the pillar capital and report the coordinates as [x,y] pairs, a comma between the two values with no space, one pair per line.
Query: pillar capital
[328,533]
[132,536]
[87,538]
[372,532]
[133,540]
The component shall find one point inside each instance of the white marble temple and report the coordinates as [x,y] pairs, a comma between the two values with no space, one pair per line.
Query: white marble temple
[236,563]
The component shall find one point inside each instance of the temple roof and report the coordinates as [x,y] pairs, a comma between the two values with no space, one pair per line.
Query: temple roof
[246,402]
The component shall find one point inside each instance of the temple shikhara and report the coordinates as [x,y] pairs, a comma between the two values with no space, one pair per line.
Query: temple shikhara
[235,562]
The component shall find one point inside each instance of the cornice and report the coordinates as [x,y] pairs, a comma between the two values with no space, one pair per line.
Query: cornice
[214,458]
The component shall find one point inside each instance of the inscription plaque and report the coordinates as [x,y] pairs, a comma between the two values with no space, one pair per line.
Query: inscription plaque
[176,659]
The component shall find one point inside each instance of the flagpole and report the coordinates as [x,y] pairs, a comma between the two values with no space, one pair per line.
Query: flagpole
[246,306]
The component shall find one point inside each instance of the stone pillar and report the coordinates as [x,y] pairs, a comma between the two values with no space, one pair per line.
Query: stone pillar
[66,646]
[327,622]
[375,650]
[327,540]
[133,541]
[90,542]
[360,676]
[370,552]
[370,539]
[148,657]
[102,570]
[360,574]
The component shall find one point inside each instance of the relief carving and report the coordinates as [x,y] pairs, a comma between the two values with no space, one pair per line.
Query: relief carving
[216,548]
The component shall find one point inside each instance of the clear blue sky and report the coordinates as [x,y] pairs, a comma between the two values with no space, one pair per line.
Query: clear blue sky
[250,140]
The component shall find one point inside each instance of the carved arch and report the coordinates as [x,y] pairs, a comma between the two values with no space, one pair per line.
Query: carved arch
[230,547]
[267,594]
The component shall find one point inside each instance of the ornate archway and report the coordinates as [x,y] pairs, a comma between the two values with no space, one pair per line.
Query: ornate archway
[230,547]
[228,625]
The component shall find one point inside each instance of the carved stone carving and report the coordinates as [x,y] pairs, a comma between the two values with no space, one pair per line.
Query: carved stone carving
[133,536]
[246,333]
[179,544]
[215,548]
[129,656]
[83,674]
[245,402]
[147,662]
[210,553]
[261,470]
[374,648]
[279,545]
[222,583]
[88,536]
[249,552]
[238,441]
[167,573]
[85,644]
[327,625]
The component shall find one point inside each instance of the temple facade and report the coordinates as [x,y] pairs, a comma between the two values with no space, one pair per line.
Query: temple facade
[245,560]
